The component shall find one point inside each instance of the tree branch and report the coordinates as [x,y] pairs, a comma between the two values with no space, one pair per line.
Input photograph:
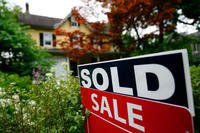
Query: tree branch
[192,23]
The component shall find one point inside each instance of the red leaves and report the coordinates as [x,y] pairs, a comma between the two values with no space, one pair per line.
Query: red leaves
[98,27]
[77,43]
[59,31]
[126,15]
[77,16]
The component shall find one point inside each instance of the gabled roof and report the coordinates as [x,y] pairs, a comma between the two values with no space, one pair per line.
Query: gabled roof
[68,18]
[87,24]
[62,21]
[37,21]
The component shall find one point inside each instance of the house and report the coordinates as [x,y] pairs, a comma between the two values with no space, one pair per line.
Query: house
[42,31]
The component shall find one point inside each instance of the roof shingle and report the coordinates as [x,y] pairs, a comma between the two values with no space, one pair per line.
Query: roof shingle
[37,21]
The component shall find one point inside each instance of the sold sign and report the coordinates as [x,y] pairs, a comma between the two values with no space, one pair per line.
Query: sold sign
[162,79]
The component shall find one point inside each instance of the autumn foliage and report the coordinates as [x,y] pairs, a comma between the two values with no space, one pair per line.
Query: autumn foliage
[132,16]
[124,16]
[77,43]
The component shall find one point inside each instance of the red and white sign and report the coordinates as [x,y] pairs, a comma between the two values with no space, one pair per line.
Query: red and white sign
[114,113]
[146,94]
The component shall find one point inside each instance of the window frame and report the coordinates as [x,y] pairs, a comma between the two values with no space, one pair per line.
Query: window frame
[74,23]
[77,41]
[45,39]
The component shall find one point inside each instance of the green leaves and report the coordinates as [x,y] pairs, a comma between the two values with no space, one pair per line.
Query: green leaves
[47,106]
[195,77]
[15,41]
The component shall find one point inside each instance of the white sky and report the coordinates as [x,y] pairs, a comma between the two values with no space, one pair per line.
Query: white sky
[50,8]
[61,8]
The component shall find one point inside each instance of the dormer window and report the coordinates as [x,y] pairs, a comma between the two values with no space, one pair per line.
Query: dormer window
[74,23]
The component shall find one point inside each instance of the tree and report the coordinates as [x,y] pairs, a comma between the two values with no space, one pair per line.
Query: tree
[78,43]
[191,9]
[18,52]
[130,17]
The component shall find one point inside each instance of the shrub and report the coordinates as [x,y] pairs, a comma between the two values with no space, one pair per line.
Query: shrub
[54,106]
[195,77]
[14,95]
[18,51]
[48,106]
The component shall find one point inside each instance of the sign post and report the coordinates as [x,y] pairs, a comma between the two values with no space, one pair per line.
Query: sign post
[144,94]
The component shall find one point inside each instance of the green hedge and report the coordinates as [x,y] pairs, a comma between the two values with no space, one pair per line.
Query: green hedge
[52,106]
[49,106]
[195,77]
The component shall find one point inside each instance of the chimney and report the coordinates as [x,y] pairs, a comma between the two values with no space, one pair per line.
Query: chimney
[27,8]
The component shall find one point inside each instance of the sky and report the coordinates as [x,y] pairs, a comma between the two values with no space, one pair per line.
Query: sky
[50,8]
[61,8]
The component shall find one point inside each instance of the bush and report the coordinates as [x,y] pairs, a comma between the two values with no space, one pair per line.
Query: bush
[48,106]
[195,77]
[14,94]
[18,51]
[54,106]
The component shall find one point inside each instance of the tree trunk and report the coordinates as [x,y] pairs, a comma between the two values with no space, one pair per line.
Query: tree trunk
[161,29]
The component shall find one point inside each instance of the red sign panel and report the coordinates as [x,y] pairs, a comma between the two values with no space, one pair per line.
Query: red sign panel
[116,113]
[150,94]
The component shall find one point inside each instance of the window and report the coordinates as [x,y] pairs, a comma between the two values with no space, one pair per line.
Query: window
[74,23]
[46,39]
[96,43]
[76,40]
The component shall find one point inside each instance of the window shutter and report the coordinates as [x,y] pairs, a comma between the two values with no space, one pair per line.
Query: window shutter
[70,23]
[41,39]
[54,40]
[73,67]
[69,19]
